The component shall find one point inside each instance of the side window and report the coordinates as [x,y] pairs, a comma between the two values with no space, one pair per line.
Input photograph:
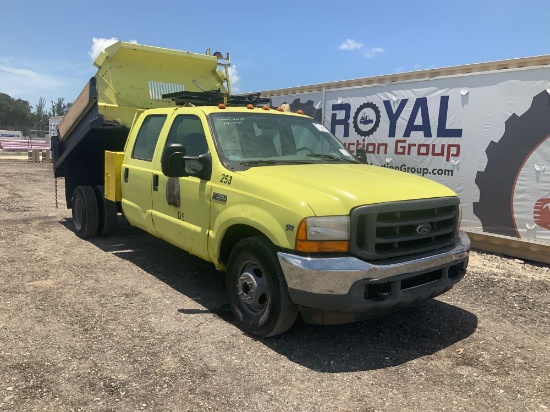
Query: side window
[147,137]
[188,131]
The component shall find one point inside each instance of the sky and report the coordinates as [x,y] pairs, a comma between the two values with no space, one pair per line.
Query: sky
[47,47]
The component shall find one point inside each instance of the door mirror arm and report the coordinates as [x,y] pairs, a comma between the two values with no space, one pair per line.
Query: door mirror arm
[361,155]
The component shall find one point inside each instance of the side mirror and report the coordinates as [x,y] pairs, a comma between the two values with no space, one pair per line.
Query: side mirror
[201,166]
[361,155]
[172,161]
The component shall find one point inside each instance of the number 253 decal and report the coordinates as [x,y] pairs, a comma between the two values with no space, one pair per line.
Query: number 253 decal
[226,179]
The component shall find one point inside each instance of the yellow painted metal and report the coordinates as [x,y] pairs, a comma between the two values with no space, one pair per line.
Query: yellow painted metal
[270,199]
[134,76]
[113,166]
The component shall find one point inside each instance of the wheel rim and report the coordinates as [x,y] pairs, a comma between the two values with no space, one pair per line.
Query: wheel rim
[252,288]
[77,212]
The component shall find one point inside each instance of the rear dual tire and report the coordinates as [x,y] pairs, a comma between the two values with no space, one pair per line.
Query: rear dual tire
[85,212]
[92,213]
[107,213]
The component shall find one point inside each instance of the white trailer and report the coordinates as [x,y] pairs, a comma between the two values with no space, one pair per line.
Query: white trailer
[481,129]
[53,124]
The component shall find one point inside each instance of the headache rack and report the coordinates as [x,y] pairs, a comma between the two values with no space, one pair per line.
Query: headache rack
[215,97]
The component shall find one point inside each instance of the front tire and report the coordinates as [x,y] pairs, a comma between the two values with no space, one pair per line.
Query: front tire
[85,212]
[258,293]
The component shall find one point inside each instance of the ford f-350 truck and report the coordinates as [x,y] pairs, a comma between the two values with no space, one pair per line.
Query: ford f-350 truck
[270,197]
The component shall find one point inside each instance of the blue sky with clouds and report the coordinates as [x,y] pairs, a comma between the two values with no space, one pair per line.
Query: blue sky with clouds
[45,46]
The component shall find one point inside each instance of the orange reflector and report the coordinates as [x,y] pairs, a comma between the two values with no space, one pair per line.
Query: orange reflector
[301,233]
[249,106]
[221,106]
[280,109]
[324,246]
[300,112]
[266,107]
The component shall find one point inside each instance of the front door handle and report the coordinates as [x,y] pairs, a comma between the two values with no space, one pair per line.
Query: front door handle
[126,172]
[156,183]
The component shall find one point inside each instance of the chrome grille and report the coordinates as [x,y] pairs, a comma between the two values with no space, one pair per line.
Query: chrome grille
[397,229]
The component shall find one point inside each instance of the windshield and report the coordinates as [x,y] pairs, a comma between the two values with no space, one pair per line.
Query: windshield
[261,139]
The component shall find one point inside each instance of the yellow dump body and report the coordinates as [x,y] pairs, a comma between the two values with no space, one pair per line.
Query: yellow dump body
[130,78]
[133,76]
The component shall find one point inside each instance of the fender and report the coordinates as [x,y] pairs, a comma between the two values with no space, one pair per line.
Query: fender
[279,225]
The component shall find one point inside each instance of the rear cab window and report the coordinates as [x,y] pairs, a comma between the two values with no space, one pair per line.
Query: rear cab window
[147,138]
[187,130]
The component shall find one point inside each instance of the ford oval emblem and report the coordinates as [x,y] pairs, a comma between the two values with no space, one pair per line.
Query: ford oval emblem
[424,229]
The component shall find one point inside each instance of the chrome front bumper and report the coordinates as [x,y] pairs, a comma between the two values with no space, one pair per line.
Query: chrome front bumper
[336,276]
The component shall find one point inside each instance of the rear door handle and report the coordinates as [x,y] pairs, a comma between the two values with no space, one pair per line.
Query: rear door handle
[126,173]
[156,183]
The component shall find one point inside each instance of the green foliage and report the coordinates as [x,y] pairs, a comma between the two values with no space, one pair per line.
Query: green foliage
[60,108]
[14,112]
[40,116]
[18,114]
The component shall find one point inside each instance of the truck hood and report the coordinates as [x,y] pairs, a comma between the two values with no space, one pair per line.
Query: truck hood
[334,189]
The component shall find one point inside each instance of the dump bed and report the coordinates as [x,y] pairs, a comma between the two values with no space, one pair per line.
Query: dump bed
[130,77]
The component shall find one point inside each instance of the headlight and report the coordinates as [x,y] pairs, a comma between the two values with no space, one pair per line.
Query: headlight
[328,228]
[323,234]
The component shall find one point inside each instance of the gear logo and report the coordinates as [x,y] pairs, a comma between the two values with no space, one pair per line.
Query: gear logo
[309,108]
[366,119]
[505,160]
[541,213]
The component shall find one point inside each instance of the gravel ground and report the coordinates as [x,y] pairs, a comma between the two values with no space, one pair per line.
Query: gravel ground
[129,323]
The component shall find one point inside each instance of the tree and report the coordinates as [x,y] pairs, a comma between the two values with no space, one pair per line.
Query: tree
[14,112]
[18,114]
[60,108]
[40,117]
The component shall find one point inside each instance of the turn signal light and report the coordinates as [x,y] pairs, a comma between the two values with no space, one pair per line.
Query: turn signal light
[221,106]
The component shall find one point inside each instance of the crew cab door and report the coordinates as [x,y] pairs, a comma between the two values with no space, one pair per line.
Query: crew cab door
[137,172]
[181,206]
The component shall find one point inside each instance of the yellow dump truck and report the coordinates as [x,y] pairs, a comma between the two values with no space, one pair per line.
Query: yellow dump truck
[272,198]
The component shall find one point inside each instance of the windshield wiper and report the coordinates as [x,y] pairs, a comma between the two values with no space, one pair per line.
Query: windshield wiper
[331,157]
[270,162]
[259,162]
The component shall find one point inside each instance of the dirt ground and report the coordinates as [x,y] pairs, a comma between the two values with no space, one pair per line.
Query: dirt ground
[129,323]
